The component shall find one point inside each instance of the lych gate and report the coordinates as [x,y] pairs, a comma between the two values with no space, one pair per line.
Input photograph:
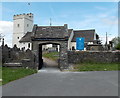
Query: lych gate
[40,53]
[41,35]
[63,59]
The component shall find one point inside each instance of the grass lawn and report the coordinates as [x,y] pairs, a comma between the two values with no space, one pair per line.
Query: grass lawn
[51,55]
[9,74]
[0,75]
[96,67]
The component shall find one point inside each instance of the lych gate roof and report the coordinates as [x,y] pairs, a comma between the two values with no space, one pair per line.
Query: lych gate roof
[87,34]
[46,32]
[50,32]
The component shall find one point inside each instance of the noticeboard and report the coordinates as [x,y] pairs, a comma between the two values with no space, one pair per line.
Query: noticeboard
[80,43]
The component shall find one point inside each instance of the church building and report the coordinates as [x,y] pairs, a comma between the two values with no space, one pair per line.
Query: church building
[23,30]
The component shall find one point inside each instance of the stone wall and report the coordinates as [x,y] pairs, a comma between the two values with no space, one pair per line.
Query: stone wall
[21,58]
[14,57]
[85,56]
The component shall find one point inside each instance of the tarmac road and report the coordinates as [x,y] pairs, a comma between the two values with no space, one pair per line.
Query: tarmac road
[50,81]
[47,83]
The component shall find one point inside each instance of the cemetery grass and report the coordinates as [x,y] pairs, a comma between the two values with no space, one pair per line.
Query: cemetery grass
[51,55]
[9,74]
[97,67]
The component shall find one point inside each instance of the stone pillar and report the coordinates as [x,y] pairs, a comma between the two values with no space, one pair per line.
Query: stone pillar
[63,61]
[35,50]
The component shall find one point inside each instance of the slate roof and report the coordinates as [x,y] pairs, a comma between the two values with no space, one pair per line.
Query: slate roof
[26,37]
[69,32]
[45,32]
[87,34]
[50,32]
[57,32]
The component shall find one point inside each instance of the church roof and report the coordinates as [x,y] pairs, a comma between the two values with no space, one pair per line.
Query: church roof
[26,37]
[69,32]
[87,34]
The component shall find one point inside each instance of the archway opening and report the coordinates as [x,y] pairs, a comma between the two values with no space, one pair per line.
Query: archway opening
[49,54]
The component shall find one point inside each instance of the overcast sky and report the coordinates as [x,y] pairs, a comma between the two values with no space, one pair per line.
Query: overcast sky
[101,16]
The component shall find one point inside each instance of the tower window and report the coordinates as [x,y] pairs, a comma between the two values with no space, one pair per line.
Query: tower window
[27,25]
[18,25]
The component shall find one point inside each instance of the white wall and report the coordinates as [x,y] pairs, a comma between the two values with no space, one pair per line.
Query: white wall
[25,22]
[29,27]
[15,38]
[73,44]
[50,46]
[17,29]
[46,46]
[90,43]
[94,36]
[69,40]
[25,45]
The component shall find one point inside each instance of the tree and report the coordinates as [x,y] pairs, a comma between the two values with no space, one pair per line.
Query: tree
[116,42]
[118,46]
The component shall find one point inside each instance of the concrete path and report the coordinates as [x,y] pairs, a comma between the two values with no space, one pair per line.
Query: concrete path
[65,84]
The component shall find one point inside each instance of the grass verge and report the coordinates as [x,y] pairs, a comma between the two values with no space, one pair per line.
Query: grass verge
[96,67]
[88,66]
[9,74]
[51,55]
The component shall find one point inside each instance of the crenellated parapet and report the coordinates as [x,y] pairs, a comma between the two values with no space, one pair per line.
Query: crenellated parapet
[19,16]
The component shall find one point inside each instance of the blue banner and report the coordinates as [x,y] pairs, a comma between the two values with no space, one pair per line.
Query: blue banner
[80,43]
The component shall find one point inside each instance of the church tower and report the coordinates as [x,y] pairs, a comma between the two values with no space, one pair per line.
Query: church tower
[22,24]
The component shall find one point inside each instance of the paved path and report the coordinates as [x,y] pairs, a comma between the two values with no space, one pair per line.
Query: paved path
[50,81]
[49,63]
[50,66]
